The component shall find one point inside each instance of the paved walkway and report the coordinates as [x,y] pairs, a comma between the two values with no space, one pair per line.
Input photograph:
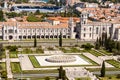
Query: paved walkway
[11,60]
[25,62]
[96,59]
[9,72]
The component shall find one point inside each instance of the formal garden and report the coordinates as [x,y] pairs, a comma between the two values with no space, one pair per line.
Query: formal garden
[97,50]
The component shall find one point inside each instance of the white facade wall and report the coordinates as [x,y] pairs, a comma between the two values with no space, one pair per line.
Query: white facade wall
[29,33]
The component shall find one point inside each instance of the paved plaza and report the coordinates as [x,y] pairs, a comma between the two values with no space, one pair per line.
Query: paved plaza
[79,61]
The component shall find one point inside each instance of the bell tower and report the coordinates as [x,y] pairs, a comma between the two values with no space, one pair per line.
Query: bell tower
[84,17]
[71,25]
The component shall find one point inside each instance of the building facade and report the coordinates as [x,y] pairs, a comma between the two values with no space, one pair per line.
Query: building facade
[27,30]
[85,30]
[91,30]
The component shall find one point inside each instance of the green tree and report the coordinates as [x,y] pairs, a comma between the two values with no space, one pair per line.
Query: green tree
[37,12]
[118,46]
[1,16]
[87,46]
[35,41]
[103,70]
[60,40]
[47,78]
[97,44]
[100,41]
[60,72]
[1,51]
[33,18]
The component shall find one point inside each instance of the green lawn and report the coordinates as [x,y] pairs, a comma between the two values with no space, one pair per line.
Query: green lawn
[71,50]
[27,51]
[83,78]
[3,55]
[39,50]
[40,71]
[50,78]
[88,59]
[114,63]
[105,52]
[95,53]
[98,69]
[34,61]
[13,54]
[3,65]
[15,67]
[110,77]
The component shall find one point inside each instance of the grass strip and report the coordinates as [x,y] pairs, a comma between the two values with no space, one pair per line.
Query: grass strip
[114,63]
[105,52]
[88,59]
[98,69]
[34,61]
[3,65]
[40,71]
[83,78]
[72,50]
[95,53]
[13,54]
[15,67]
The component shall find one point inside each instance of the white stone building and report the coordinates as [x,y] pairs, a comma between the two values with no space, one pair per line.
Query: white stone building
[27,30]
[91,30]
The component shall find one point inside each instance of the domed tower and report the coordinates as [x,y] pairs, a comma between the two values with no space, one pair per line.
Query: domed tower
[84,17]
[71,25]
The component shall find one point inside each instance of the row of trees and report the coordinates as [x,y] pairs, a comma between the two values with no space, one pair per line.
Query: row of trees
[108,44]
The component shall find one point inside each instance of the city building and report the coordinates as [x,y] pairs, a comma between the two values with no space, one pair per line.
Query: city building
[91,30]
[33,8]
[27,30]
[82,28]
[37,1]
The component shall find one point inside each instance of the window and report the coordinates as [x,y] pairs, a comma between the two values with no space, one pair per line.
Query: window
[90,35]
[97,30]
[84,22]
[5,31]
[90,28]
[103,28]
[84,29]
[15,31]
[84,35]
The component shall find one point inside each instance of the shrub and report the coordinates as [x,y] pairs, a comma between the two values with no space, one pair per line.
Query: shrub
[118,76]
[12,48]
[4,74]
[50,48]
[87,46]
